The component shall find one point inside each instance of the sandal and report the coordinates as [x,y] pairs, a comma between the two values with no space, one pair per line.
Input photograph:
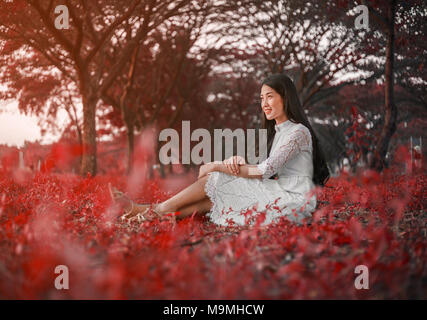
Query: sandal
[117,195]
[146,216]
[130,214]
[142,216]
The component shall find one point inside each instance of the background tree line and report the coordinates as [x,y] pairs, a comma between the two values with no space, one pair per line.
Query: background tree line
[123,67]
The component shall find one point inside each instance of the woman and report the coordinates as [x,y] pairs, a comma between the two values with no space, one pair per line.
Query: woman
[279,186]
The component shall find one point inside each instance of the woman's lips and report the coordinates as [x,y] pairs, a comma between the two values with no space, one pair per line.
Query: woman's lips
[267,111]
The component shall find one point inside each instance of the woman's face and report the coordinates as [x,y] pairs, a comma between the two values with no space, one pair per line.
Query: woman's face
[272,104]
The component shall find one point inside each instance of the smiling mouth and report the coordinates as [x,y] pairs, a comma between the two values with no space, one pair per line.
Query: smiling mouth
[267,111]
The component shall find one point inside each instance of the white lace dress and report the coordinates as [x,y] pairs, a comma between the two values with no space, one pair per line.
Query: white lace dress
[289,195]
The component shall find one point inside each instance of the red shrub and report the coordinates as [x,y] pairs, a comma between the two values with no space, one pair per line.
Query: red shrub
[49,219]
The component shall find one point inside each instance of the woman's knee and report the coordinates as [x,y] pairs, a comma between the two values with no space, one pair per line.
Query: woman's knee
[207,205]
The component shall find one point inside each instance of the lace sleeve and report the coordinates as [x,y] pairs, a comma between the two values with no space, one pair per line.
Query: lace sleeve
[289,147]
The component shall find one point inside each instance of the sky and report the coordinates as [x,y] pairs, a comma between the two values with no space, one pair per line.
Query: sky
[16,128]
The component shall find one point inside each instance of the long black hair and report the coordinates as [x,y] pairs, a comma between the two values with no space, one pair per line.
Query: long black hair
[284,86]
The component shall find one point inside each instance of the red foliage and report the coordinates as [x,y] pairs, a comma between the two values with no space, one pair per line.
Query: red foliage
[50,219]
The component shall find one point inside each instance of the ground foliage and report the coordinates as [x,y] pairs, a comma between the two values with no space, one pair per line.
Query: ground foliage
[49,219]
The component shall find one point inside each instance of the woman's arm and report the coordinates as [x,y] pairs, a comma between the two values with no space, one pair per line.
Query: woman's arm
[289,146]
[245,170]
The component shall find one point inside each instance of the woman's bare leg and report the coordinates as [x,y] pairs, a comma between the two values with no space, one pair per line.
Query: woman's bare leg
[202,207]
[193,198]
[194,193]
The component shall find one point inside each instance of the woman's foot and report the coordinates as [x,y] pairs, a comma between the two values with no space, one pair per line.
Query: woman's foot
[139,212]
[129,207]
[157,210]
[120,198]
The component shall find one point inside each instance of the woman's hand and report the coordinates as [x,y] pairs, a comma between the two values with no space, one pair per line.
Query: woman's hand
[205,169]
[233,164]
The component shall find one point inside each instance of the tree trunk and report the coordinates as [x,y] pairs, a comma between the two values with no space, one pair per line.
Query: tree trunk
[130,141]
[127,113]
[89,136]
[80,138]
[389,126]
